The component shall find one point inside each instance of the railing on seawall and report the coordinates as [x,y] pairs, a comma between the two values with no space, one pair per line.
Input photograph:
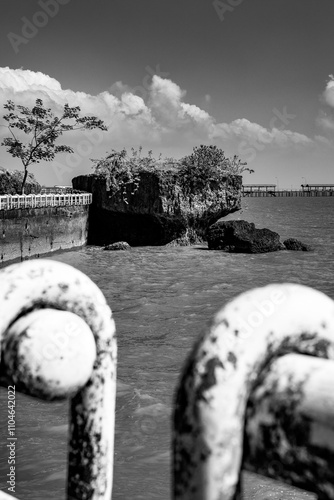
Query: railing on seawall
[60,190]
[8,202]
[256,391]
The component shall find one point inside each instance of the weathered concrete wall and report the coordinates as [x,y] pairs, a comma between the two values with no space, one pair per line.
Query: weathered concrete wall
[32,232]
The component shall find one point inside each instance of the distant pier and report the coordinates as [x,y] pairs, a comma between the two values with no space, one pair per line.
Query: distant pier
[310,190]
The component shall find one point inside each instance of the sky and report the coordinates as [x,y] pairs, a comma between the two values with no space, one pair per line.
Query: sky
[250,76]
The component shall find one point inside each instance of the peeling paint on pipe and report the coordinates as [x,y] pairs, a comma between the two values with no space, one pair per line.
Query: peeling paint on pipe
[223,369]
[238,362]
[40,284]
[290,422]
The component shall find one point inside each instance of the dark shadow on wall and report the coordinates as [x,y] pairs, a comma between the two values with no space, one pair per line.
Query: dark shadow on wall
[107,227]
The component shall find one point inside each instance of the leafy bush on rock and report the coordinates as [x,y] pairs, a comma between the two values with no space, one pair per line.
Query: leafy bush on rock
[121,169]
[208,165]
[204,168]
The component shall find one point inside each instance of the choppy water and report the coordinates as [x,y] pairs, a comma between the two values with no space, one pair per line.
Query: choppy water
[162,298]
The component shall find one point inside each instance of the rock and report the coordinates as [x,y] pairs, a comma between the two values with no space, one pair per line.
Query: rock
[158,210]
[11,181]
[240,236]
[119,245]
[189,238]
[293,244]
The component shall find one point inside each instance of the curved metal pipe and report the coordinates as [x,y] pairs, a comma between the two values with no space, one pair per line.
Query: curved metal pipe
[289,429]
[226,366]
[39,284]
[246,336]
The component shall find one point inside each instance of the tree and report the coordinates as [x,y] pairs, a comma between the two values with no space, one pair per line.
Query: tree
[208,157]
[43,129]
[207,164]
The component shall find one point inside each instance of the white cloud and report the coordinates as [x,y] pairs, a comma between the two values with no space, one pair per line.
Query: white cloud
[118,89]
[165,102]
[196,113]
[163,118]
[325,118]
[21,80]
[252,132]
[24,87]
[328,93]
[323,140]
[325,122]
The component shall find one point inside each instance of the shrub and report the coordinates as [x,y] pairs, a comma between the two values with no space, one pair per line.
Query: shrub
[204,167]
[208,165]
[121,169]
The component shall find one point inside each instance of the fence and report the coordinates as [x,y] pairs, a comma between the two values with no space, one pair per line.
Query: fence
[256,391]
[8,201]
[60,190]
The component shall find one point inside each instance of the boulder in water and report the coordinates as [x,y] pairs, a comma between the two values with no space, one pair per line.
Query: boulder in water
[119,245]
[240,236]
[293,244]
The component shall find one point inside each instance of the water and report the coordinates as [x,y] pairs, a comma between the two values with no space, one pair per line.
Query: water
[162,299]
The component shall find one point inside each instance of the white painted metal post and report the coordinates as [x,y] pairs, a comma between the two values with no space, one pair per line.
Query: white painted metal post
[290,422]
[39,363]
[225,367]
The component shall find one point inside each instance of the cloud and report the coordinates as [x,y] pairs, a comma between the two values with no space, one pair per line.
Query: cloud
[323,140]
[127,116]
[21,80]
[328,93]
[119,88]
[252,132]
[325,122]
[165,102]
[158,119]
[195,113]
[325,118]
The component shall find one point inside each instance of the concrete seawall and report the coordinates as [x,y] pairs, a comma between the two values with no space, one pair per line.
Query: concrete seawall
[32,232]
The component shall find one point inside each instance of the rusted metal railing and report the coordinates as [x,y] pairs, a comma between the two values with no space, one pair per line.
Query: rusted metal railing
[256,391]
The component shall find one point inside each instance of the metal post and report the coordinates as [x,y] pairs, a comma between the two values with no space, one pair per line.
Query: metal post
[227,364]
[37,284]
[290,422]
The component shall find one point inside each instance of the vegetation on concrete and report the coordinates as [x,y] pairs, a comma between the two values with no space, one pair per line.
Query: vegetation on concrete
[121,169]
[204,168]
[207,167]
